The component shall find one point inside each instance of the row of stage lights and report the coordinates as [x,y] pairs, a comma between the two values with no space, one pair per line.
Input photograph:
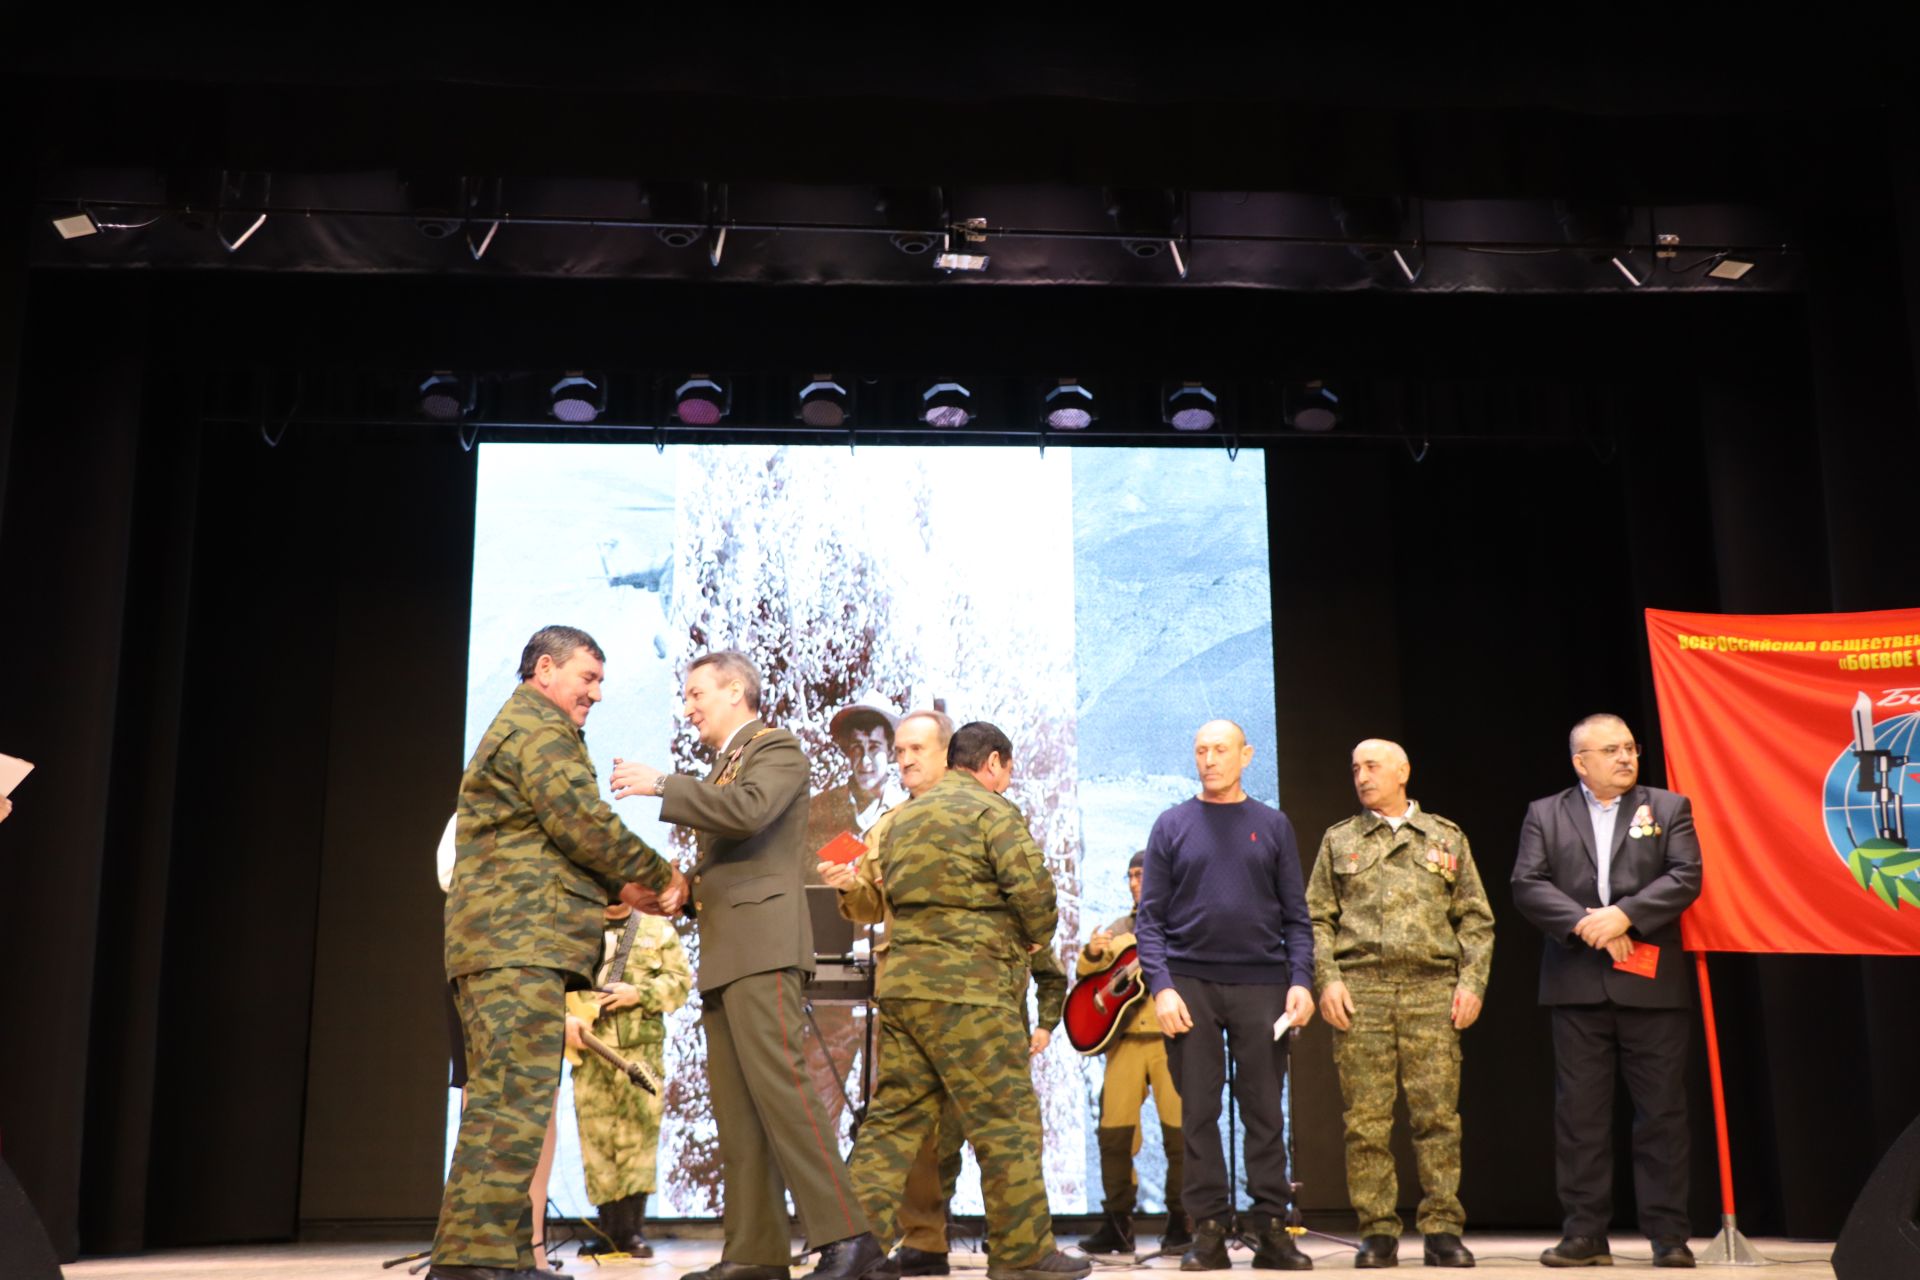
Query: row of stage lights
[579,398]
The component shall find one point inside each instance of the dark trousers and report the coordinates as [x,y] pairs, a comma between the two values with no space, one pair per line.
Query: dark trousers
[773,1130]
[1244,1015]
[1650,1048]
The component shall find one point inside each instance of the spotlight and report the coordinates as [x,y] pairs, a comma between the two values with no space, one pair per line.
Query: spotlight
[72,226]
[576,397]
[1313,406]
[1191,407]
[1145,217]
[1069,406]
[446,397]
[700,401]
[946,404]
[681,208]
[438,203]
[824,402]
[1727,268]
[908,208]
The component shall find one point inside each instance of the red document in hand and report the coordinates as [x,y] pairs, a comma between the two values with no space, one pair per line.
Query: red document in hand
[1644,962]
[843,848]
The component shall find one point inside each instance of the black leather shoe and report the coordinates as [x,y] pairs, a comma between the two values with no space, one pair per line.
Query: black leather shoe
[920,1262]
[1578,1251]
[1672,1253]
[1114,1236]
[849,1259]
[1274,1247]
[1377,1251]
[740,1271]
[1179,1232]
[1444,1249]
[1055,1266]
[1209,1249]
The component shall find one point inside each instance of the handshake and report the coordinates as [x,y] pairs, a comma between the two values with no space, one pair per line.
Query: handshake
[663,902]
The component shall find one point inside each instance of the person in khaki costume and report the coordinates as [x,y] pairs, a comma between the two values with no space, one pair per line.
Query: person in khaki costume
[749,816]
[1403,943]
[1136,1062]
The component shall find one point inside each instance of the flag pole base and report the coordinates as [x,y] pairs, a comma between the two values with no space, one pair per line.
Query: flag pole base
[1731,1249]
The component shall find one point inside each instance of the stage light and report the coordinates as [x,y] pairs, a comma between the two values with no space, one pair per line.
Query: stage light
[1729,268]
[700,401]
[1191,407]
[946,404]
[1312,406]
[576,397]
[72,226]
[1069,406]
[438,203]
[909,210]
[1145,217]
[446,397]
[824,402]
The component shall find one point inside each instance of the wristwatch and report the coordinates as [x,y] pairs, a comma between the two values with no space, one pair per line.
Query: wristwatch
[660,785]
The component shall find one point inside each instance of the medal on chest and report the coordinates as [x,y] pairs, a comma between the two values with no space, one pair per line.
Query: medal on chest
[1643,823]
[1442,860]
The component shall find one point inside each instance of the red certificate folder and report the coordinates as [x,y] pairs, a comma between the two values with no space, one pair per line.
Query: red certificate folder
[843,848]
[1644,962]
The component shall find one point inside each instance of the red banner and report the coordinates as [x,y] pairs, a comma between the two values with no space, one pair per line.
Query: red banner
[1795,737]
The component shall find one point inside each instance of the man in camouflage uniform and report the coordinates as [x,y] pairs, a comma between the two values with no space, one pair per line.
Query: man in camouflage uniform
[1403,941]
[643,978]
[1136,1062]
[971,898]
[539,856]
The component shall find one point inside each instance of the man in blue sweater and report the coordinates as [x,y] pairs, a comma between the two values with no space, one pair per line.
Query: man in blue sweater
[1227,947]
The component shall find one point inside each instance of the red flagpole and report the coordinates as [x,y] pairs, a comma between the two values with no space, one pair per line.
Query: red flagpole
[1729,1248]
[1719,1092]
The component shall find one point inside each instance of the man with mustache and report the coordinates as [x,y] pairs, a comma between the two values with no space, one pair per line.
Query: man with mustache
[1604,869]
[539,855]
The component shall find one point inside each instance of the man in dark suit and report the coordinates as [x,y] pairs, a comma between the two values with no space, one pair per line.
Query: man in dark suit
[749,816]
[1604,870]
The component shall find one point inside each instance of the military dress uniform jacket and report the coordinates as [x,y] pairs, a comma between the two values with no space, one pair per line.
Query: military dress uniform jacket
[539,854]
[1399,906]
[1142,1021]
[1654,877]
[970,893]
[751,830]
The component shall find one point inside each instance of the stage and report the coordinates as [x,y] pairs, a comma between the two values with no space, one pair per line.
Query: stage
[1497,1254]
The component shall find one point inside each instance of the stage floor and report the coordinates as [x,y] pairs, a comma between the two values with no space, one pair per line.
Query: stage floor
[1498,1254]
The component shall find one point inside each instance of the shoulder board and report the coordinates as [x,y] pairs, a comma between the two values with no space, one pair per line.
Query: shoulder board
[1448,823]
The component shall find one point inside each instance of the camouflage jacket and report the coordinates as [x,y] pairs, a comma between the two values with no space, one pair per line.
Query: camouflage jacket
[866,903]
[969,893]
[657,967]
[539,853]
[1403,906]
[1141,1022]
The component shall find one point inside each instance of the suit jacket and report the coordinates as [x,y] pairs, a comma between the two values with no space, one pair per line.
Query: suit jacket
[752,838]
[1556,877]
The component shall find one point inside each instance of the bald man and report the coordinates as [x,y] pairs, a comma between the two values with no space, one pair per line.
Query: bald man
[1402,944]
[1226,948]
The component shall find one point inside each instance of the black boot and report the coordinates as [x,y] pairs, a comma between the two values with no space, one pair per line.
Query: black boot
[1114,1236]
[1179,1230]
[1209,1250]
[636,1231]
[1274,1248]
[606,1238]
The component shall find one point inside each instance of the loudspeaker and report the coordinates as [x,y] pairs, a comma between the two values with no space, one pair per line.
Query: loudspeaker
[1882,1235]
[24,1251]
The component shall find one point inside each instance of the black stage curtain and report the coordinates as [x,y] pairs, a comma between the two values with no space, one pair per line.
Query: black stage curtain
[241,669]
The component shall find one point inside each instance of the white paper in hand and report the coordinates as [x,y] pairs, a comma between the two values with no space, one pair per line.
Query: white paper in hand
[1280,1027]
[12,770]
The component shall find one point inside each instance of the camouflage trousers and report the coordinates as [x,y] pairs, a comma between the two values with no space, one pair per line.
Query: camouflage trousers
[930,1184]
[1402,1036]
[619,1124]
[515,1021]
[976,1055]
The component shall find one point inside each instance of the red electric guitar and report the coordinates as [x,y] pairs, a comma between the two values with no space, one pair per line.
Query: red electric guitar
[1101,1003]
